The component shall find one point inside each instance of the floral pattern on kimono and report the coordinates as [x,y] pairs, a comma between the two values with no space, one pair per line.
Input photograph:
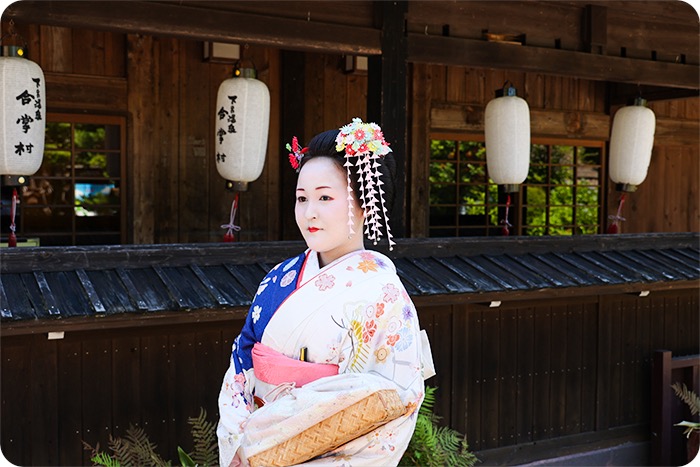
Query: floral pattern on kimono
[354,313]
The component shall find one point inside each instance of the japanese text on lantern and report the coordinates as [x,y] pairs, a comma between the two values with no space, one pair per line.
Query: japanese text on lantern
[31,114]
[228,118]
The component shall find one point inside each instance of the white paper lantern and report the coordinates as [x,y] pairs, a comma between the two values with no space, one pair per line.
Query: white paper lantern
[242,121]
[631,142]
[507,133]
[23,121]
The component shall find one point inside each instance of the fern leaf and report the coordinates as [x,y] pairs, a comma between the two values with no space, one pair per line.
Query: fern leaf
[687,396]
[105,459]
[206,448]
[434,446]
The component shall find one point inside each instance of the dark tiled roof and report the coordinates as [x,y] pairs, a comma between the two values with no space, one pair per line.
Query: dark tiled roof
[41,283]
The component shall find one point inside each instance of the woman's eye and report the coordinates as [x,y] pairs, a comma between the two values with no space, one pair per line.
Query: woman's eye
[326,198]
[301,199]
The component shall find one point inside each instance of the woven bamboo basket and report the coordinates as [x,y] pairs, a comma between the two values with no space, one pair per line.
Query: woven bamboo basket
[352,422]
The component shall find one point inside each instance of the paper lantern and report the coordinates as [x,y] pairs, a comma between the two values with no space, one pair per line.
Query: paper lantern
[242,121]
[23,122]
[507,133]
[631,142]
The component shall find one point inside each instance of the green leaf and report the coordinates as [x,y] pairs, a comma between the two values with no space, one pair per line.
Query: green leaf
[185,459]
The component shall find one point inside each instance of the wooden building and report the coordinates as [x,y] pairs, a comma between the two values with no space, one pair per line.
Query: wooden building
[137,72]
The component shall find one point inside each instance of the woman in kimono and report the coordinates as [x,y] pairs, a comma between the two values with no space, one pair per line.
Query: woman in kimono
[332,323]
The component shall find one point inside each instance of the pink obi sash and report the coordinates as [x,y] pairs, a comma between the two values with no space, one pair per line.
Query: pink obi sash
[276,368]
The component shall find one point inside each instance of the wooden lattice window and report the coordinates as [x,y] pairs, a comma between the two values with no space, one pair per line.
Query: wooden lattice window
[77,196]
[562,195]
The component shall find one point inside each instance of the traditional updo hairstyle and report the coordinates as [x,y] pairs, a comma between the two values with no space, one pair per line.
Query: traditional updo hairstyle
[324,145]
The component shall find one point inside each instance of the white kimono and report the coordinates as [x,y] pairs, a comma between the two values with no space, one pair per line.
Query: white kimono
[353,313]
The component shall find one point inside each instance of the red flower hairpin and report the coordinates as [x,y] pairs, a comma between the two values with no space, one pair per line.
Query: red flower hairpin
[295,154]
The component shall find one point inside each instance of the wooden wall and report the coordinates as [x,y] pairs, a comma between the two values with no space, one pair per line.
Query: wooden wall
[168,92]
[531,371]
[669,199]
[449,101]
[528,371]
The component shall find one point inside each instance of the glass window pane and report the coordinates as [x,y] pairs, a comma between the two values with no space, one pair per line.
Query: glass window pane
[562,155]
[562,175]
[57,136]
[587,196]
[588,156]
[442,172]
[104,220]
[534,195]
[93,195]
[50,220]
[443,215]
[41,191]
[472,172]
[561,195]
[88,136]
[538,154]
[472,151]
[587,215]
[560,216]
[470,195]
[56,163]
[443,194]
[441,149]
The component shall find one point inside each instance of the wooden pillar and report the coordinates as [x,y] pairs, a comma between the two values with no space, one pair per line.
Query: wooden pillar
[292,122]
[387,97]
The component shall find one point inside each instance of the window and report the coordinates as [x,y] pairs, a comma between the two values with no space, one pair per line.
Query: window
[77,197]
[561,196]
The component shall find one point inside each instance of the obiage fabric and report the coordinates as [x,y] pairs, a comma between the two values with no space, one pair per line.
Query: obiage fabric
[353,313]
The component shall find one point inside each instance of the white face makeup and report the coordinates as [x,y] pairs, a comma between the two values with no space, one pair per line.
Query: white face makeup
[321,210]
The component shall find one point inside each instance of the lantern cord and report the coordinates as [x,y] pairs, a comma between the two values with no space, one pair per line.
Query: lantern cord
[228,236]
[505,222]
[12,240]
[616,219]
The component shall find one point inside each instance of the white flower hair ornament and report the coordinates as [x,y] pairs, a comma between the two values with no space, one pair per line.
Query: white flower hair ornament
[365,142]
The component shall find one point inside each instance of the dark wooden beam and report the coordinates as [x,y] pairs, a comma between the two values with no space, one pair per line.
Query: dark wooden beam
[624,93]
[470,52]
[195,23]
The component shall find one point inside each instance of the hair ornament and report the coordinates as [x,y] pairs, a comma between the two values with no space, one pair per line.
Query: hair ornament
[365,141]
[296,154]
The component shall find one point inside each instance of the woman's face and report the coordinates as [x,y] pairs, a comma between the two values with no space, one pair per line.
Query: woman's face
[322,210]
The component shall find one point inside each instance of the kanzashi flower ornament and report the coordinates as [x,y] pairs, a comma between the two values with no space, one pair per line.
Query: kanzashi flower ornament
[365,142]
[295,153]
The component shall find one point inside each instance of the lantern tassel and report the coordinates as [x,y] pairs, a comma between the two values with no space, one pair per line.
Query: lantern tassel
[504,222]
[614,227]
[228,236]
[12,240]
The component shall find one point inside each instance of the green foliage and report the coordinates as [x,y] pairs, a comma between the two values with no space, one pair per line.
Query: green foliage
[136,450]
[433,445]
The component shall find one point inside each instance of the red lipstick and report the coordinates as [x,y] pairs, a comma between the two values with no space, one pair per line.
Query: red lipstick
[313,229]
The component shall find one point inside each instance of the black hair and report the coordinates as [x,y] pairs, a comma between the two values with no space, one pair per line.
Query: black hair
[323,145]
